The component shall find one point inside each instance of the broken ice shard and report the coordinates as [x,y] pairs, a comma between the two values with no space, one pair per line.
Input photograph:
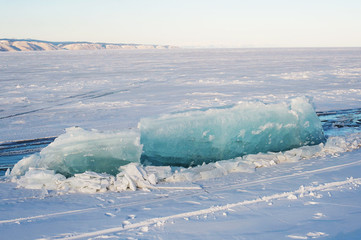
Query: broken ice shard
[194,137]
[79,150]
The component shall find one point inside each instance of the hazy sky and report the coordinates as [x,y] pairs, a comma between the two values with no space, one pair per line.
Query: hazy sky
[219,23]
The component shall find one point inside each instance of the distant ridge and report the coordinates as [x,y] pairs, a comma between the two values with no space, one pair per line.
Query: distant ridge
[11,45]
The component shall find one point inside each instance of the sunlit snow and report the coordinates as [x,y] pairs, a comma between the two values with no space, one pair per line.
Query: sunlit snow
[183,143]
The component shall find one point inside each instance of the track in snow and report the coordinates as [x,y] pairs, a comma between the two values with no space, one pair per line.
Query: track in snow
[214,209]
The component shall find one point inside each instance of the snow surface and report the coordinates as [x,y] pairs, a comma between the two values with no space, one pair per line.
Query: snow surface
[43,93]
[311,192]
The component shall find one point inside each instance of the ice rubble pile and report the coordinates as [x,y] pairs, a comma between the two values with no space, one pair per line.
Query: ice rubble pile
[134,175]
[194,137]
[181,139]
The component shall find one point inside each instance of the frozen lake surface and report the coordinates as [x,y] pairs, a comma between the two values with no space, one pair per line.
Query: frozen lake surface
[304,193]
[42,93]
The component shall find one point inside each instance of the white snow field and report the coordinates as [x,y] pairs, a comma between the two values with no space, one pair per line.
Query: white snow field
[134,125]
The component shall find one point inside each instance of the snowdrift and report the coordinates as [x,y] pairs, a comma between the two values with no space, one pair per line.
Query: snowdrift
[183,139]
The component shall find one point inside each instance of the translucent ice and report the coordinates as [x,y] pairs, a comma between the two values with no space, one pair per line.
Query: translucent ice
[183,139]
[78,150]
[194,137]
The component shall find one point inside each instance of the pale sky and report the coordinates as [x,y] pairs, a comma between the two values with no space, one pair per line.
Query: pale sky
[196,23]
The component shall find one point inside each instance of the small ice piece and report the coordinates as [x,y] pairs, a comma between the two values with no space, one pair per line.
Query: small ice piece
[316,234]
[109,214]
[194,137]
[293,236]
[38,178]
[144,229]
[7,173]
[292,197]
[318,215]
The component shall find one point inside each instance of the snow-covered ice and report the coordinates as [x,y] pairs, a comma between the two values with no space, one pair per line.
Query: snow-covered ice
[309,191]
[113,90]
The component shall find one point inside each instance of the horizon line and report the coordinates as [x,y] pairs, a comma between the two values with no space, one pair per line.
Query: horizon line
[208,46]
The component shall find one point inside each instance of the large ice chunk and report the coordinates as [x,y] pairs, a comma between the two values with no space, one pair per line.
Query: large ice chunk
[194,137]
[78,150]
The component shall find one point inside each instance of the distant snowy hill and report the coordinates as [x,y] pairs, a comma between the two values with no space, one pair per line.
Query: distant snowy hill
[39,45]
